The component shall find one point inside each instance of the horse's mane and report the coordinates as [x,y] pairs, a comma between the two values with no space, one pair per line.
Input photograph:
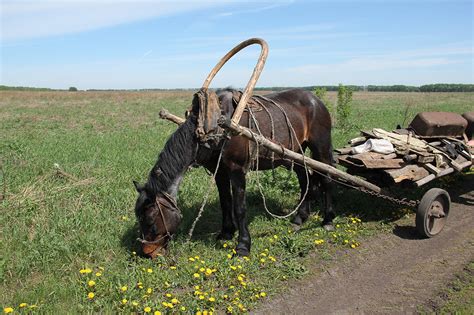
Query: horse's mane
[177,155]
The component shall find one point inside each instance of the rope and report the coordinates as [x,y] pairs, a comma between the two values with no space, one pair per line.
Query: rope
[206,197]
[260,188]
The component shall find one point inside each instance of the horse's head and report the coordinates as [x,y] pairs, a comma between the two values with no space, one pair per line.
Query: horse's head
[159,217]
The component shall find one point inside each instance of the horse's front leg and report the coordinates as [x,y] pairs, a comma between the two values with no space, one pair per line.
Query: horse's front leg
[225,198]
[237,179]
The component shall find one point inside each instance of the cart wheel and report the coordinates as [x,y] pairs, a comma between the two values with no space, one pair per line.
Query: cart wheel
[432,212]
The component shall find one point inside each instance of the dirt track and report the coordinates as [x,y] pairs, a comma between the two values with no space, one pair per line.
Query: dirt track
[391,273]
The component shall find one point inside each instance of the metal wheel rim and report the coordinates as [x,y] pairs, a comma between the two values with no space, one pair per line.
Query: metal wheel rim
[433,223]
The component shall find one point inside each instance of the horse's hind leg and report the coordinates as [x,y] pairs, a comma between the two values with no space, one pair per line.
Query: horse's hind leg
[321,150]
[225,198]
[307,192]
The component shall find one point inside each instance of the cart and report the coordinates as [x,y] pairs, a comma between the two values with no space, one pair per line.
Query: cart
[414,159]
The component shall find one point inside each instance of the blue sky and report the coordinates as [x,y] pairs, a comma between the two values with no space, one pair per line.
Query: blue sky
[174,44]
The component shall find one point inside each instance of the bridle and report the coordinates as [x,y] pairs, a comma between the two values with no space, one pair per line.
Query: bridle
[168,234]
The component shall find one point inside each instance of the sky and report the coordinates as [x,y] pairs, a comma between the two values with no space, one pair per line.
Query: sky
[125,44]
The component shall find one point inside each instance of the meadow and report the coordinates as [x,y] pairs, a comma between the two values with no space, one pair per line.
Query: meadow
[67,231]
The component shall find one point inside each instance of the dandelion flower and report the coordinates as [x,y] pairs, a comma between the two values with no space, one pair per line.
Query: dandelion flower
[229,256]
[85,271]
[263,294]
[98,274]
[22,305]
[202,269]
[174,301]
[225,245]
[124,301]
[183,308]
[157,313]
[212,299]
[135,303]
[168,295]
[262,260]
[191,259]
[147,309]
[149,290]
[91,295]
[91,283]
[8,310]
[149,270]
[124,288]
[196,275]
[201,297]
[173,267]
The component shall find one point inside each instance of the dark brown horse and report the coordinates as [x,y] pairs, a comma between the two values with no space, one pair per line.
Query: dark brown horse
[294,118]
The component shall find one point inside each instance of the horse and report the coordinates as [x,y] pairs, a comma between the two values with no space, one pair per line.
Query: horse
[294,118]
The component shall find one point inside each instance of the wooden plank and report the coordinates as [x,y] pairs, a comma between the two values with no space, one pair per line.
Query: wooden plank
[345,150]
[356,141]
[164,114]
[431,168]
[383,164]
[425,180]
[410,172]
[279,149]
[373,160]
[445,172]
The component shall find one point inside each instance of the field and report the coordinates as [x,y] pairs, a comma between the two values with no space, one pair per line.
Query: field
[67,233]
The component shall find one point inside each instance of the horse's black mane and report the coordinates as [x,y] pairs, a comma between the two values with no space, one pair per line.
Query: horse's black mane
[177,155]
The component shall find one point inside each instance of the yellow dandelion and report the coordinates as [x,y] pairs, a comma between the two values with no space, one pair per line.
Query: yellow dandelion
[22,305]
[91,283]
[246,258]
[233,267]
[91,295]
[98,274]
[124,288]
[198,313]
[149,270]
[124,301]
[229,256]
[240,278]
[85,271]
[201,297]
[275,236]
[263,294]
[262,260]
[174,301]
[8,310]
[202,269]
[168,295]
[225,296]
[225,245]
[173,267]
[183,308]
[157,313]
[212,299]
[196,275]
[147,309]
[196,257]
[135,303]
[353,246]
[197,287]
[149,290]
[191,259]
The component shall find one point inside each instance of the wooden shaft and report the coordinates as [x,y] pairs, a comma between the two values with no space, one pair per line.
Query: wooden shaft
[253,79]
[164,114]
[316,165]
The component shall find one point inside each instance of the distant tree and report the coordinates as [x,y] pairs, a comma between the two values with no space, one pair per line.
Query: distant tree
[344,108]
[73,89]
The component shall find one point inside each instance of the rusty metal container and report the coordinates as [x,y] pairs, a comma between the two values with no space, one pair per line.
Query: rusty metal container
[469,116]
[438,124]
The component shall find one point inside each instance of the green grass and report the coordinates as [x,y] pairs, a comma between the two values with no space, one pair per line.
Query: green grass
[68,161]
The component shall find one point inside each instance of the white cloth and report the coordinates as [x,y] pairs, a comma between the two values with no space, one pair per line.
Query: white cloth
[376,145]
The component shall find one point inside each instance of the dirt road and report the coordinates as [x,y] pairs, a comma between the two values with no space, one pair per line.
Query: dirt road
[391,273]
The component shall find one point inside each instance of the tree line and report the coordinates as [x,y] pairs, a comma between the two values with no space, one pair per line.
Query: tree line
[439,87]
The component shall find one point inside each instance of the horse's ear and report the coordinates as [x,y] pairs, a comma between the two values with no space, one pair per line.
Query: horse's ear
[138,186]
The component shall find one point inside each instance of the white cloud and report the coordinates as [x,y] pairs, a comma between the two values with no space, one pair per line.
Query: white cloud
[28,18]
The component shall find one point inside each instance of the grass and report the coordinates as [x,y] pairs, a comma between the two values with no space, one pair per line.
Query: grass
[68,160]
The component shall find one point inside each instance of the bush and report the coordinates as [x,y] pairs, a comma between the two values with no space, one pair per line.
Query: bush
[344,108]
[73,89]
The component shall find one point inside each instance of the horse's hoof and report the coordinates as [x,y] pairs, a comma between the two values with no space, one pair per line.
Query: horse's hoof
[225,236]
[297,220]
[242,252]
[328,227]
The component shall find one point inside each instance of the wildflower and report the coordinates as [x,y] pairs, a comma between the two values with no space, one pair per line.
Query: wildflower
[149,270]
[263,294]
[275,236]
[240,278]
[246,258]
[91,295]
[22,305]
[124,288]
[135,303]
[174,301]
[183,308]
[8,310]
[124,301]
[149,290]
[202,269]
[147,309]
[229,256]
[84,271]
[272,258]
[91,283]
[262,260]
[196,257]
[191,259]
[212,299]
[225,296]
[346,241]
[157,313]
[198,313]
[173,267]
[197,287]
[338,226]
[201,297]
[318,242]
[233,267]
[140,285]
[134,253]
[225,245]
[196,275]
[98,274]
